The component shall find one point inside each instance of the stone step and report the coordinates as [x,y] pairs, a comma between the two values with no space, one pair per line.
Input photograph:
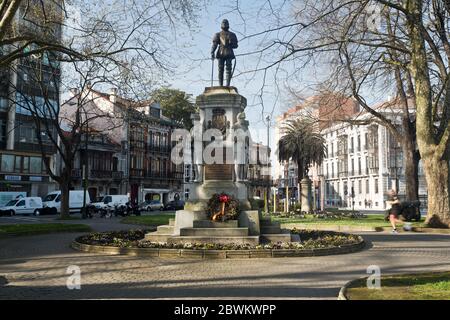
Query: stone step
[270,229]
[165,229]
[252,240]
[269,223]
[214,232]
[281,237]
[215,224]
[157,237]
[171,222]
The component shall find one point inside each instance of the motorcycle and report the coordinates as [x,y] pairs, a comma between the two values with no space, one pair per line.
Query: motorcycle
[133,208]
[106,212]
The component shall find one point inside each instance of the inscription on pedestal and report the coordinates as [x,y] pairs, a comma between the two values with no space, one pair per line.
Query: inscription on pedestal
[222,172]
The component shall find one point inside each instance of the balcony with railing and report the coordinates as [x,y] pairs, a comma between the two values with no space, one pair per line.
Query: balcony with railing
[98,174]
[156,175]
[159,148]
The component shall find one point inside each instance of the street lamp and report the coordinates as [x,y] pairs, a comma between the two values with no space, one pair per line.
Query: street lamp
[266,204]
[85,169]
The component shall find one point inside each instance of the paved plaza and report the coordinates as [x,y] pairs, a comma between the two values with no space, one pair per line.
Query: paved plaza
[34,267]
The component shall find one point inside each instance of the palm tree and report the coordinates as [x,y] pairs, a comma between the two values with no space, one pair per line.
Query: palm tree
[302,144]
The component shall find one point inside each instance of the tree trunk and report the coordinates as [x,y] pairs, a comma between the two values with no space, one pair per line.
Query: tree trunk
[411,163]
[433,156]
[438,182]
[64,187]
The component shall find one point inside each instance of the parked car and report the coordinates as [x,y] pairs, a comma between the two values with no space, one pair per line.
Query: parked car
[174,205]
[23,205]
[152,205]
[52,202]
[110,200]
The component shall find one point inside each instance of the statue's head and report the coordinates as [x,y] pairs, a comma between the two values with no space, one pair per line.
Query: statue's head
[225,25]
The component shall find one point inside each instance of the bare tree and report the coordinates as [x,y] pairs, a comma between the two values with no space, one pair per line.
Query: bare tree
[123,44]
[377,47]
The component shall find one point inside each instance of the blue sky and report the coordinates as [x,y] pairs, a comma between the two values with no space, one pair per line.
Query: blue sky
[194,72]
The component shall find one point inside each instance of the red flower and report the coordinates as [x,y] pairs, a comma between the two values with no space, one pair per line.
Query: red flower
[224,198]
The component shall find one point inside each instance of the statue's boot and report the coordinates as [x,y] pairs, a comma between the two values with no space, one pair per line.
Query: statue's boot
[228,77]
[221,78]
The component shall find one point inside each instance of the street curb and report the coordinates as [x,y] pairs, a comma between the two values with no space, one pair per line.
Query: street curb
[218,254]
[343,291]
[339,228]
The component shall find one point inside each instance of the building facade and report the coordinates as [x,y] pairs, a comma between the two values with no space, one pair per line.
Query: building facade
[99,158]
[260,173]
[29,86]
[323,110]
[363,163]
[129,148]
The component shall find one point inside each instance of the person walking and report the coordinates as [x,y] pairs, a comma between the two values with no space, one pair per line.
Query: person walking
[394,211]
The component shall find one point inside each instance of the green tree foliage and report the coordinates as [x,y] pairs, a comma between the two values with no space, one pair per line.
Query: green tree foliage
[176,104]
[302,144]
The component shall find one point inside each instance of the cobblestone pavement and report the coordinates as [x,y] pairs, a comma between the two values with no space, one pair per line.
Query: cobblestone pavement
[34,267]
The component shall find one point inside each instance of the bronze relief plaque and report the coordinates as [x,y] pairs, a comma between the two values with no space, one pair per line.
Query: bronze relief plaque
[222,172]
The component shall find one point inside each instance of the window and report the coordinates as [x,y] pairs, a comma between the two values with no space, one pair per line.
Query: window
[376,185]
[366,141]
[360,186]
[18,164]
[367,186]
[352,145]
[3,104]
[35,165]
[7,163]
[26,164]
[21,203]
[359,143]
[353,167]
[359,166]
[2,130]
[367,165]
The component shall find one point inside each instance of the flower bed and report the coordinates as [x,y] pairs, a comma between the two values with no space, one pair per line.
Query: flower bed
[310,239]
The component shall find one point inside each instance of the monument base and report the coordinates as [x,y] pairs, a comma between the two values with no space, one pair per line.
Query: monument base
[193,227]
[201,193]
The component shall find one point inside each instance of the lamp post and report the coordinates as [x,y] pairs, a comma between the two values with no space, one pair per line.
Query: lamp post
[85,170]
[267,192]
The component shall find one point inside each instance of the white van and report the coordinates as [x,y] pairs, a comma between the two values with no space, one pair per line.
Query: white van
[111,200]
[23,205]
[52,201]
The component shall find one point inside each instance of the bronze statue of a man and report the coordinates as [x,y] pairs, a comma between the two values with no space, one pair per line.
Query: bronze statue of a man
[226,41]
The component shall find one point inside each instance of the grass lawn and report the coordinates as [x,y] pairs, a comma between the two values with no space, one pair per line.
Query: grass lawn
[433,286]
[149,220]
[372,220]
[39,228]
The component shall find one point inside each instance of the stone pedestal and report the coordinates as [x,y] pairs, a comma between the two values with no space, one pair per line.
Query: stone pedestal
[200,193]
[306,196]
[220,109]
